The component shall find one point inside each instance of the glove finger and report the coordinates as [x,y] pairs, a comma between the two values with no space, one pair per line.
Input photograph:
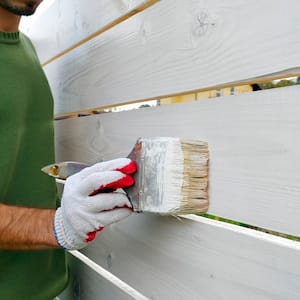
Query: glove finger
[90,236]
[124,165]
[107,218]
[103,182]
[108,202]
[113,216]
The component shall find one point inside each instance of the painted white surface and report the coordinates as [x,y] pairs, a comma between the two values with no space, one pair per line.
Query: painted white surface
[98,287]
[58,24]
[177,46]
[253,142]
[165,258]
[127,289]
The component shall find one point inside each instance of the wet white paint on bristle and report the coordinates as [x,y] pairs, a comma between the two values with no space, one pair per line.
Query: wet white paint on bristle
[173,177]
[150,167]
[163,175]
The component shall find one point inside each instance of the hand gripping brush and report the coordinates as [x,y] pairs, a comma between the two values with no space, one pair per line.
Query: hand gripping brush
[171,178]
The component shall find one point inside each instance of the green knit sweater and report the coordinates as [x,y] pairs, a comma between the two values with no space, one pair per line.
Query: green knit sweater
[27,144]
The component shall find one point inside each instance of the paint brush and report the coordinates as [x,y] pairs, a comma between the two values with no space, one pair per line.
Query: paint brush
[171,177]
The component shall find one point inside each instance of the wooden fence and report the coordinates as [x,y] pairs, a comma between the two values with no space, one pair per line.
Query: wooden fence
[102,53]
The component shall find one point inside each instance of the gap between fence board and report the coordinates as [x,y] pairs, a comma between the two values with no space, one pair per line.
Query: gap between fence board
[56,26]
[270,238]
[295,72]
[115,22]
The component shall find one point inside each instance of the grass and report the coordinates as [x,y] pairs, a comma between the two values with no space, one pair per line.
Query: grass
[283,235]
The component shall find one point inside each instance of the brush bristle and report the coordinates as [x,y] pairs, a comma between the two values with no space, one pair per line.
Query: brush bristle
[175,176]
[195,177]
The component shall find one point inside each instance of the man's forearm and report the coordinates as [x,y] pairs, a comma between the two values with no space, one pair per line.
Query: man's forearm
[26,228]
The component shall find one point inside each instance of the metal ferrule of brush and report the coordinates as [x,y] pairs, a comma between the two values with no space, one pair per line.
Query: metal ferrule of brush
[136,192]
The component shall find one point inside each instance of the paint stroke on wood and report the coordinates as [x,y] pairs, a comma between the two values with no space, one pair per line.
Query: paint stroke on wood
[57,25]
[178,46]
[253,141]
[165,258]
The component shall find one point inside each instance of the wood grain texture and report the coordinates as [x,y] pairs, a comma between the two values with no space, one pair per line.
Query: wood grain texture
[58,25]
[166,258]
[253,142]
[178,46]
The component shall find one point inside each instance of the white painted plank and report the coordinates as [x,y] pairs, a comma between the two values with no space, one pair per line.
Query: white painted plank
[59,24]
[123,286]
[177,46]
[254,149]
[170,259]
[98,287]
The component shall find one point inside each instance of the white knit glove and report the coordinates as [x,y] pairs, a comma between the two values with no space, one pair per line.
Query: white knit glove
[90,202]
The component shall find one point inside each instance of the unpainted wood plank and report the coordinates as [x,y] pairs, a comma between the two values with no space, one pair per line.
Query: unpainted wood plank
[166,258]
[59,25]
[179,46]
[253,142]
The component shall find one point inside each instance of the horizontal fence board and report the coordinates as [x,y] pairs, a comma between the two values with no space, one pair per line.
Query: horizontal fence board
[253,141]
[165,258]
[178,46]
[98,288]
[57,25]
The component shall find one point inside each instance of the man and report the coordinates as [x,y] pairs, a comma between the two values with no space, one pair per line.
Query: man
[32,231]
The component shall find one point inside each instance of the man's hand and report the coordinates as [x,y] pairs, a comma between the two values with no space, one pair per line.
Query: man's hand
[92,200]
